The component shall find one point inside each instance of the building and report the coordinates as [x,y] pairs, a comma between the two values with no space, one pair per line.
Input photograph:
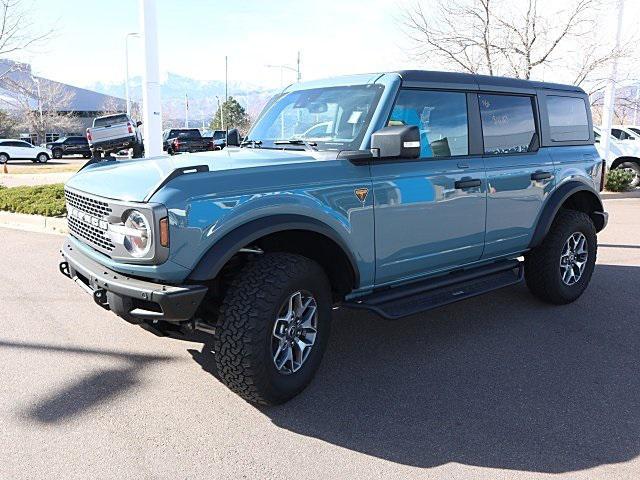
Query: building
[21,91]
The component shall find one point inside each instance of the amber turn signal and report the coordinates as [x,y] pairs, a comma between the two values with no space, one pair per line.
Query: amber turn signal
[164,232]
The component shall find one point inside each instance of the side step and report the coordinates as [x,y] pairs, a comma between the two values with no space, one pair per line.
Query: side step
[395,303]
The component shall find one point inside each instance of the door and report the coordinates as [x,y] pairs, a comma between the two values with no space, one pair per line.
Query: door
[429,212]
[519,173]
[23,150]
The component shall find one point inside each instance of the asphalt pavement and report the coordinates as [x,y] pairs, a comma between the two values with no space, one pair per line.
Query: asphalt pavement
[500,386]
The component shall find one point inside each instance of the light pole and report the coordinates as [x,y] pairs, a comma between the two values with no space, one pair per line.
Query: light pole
[610,93]
[126,68]
[283,67]
[152,111]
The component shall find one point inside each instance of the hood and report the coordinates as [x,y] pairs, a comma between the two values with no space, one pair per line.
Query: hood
[135,180]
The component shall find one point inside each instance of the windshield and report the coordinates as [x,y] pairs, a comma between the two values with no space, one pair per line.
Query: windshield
[333,118]
[111,120]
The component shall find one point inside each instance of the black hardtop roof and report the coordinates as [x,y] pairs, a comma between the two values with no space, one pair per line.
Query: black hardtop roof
[428,76]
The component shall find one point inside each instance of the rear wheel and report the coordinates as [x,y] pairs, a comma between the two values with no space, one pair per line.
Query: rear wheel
[560,268]
[275,325]
[634,169]
[4,158]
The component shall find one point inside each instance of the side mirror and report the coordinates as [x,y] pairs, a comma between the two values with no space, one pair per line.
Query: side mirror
[233,138]
[398,141]
[138,123]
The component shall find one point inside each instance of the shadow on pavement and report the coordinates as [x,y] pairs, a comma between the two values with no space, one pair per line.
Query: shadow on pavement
[500,381]
[94,389]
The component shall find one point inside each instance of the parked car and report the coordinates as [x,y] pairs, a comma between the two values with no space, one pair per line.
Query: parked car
[11,149]
[634,128]
[217,139]
[622,154]
[69,146]
[182,140]
[622,133]
[426,188]
[112,133]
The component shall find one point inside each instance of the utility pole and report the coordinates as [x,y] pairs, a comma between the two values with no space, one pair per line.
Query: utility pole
[226,91]
[152,106]
[610,94]
[186,110]
[126,68]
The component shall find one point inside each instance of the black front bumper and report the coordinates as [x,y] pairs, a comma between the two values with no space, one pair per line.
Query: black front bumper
[131,298]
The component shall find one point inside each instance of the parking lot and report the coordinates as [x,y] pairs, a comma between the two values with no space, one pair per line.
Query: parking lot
[500,386]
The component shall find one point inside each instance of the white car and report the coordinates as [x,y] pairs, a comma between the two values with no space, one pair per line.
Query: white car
[625,134]
[11,149]
[622,154]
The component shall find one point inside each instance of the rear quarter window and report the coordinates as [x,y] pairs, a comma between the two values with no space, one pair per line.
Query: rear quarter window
[508,124]
[567,119]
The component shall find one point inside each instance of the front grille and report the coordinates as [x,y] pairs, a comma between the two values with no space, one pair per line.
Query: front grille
[88,205]
[94,236]
[84,230]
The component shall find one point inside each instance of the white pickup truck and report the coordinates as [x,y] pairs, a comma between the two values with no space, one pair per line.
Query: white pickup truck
[112,133]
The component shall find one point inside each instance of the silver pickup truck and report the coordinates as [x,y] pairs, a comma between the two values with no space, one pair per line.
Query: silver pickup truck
[112,133]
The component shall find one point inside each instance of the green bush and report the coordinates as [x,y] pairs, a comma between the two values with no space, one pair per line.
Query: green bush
[618,180]
[39,200]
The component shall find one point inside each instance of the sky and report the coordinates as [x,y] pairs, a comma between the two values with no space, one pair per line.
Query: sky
[333,36]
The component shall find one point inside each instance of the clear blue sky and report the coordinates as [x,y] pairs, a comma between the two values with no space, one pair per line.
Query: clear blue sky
[334,37]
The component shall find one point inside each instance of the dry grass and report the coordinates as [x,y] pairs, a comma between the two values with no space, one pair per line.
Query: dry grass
[45,168]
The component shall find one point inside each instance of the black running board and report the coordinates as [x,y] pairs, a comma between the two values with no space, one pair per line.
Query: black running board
[395,303]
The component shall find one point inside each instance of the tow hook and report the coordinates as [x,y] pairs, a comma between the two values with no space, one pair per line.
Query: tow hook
[100,297]
[64,269]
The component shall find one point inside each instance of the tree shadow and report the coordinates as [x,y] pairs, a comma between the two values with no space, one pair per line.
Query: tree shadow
[97,388]
[500,381]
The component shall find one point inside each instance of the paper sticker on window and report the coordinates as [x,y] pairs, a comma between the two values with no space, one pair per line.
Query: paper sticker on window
[354,117]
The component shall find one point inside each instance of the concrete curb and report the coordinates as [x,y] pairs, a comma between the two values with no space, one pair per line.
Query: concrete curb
[34,223]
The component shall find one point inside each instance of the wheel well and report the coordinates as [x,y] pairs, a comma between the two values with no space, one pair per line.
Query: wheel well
[587,202]
[316,246]
[620,160]
[319,248]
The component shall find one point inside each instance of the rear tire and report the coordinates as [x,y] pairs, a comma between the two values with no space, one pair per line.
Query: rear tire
[261,315]
[4,158]
[555,271]
[634,169]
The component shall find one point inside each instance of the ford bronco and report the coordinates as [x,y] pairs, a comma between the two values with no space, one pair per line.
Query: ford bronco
[395,193]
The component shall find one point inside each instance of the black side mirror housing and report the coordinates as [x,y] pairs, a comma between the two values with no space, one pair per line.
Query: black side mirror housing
[397,141]
[138,123]
[233,138]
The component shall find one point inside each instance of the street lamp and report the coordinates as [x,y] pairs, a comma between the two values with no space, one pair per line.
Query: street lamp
[282,67]
[126,68]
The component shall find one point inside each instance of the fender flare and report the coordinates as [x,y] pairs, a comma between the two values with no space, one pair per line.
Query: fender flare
[555,202]
[221,251]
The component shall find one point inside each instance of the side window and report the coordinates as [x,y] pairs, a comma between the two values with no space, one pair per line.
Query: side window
[568,119]
[508,124]
[441,118]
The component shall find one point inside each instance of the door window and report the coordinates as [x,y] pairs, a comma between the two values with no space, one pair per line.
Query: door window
[441,118]
[508,124]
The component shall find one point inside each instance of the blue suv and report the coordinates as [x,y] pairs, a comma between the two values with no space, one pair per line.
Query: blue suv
[394,192]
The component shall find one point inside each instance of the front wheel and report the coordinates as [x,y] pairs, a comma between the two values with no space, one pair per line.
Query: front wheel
[559,270]
[275,320]
[4,158]
[57,154]
[634,169]
[42,158]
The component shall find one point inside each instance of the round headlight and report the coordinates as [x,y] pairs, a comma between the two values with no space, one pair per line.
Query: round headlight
[138,240]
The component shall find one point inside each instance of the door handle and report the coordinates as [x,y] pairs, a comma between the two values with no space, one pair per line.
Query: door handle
[463,184]
[540,176]
[463,165]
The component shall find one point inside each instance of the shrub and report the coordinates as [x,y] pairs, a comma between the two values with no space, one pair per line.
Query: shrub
[39,200]
[619,180]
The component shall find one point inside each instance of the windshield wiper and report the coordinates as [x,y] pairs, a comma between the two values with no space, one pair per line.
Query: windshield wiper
[297,141]
[253,143]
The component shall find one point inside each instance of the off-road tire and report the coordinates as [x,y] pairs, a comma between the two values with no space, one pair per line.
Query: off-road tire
[243,355]
[137,151]
[542,264]
[634,168]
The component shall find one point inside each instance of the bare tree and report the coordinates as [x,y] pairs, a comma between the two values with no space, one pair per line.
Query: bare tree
[17,29]
[514,38]
[40,106]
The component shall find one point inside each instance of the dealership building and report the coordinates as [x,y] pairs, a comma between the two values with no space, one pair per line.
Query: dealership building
[17,78]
